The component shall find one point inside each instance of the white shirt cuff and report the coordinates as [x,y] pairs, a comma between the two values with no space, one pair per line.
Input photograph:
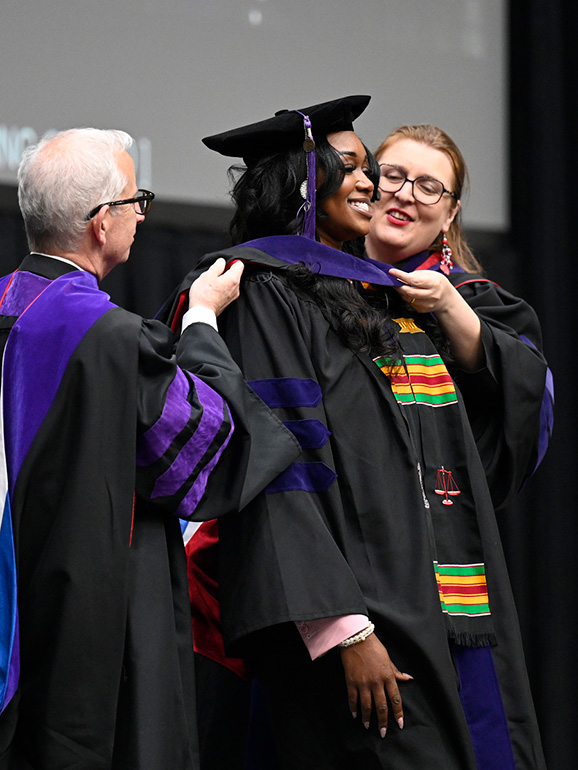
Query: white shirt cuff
[199,314]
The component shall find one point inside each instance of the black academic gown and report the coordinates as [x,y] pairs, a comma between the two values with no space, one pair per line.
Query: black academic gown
[353,527]
[97,404]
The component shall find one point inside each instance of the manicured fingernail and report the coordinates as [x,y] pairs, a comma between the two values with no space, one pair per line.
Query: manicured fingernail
[366,725]
[383,731]
[409,676]
[354,714]
[400,723]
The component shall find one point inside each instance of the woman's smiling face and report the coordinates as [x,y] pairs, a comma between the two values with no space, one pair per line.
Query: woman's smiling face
[348,211]
[401,226]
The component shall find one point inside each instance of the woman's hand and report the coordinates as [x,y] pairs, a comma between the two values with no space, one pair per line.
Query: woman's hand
[430,292]
[372,678]
[427,290]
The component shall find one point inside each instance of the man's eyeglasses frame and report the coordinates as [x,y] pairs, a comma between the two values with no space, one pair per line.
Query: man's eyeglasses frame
[142,203]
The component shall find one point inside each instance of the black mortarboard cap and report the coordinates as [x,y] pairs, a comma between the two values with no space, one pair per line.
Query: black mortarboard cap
[290,129]
[286,130]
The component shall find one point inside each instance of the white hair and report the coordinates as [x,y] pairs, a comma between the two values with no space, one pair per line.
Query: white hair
[62,178]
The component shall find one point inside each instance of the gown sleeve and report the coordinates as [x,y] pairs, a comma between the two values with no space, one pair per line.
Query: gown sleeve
[282,559]
[206,443]
[509,402]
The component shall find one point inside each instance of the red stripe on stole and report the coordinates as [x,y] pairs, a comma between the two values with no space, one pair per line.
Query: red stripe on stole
[465,590]
[431,379]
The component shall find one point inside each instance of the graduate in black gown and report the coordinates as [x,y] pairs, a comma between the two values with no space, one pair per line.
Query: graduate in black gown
[368,579]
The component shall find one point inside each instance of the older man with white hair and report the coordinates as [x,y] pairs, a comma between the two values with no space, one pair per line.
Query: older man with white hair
[108,434]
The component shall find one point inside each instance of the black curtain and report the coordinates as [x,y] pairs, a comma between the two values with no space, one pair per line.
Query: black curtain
[541,529]
[534,260]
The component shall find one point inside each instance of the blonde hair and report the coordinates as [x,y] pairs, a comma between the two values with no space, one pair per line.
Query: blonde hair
[435,137]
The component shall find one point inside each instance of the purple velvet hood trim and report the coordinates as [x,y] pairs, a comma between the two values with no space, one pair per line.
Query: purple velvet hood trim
[293,249]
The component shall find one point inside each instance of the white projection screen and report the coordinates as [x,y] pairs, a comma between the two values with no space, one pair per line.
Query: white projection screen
[172,71]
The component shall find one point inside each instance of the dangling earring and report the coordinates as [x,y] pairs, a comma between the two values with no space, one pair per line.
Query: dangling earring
[446,263]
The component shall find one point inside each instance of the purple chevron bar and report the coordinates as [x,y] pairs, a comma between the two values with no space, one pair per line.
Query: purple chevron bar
[304,477]
[197,446]
[176,414]
[287,392]
[194,495]
[311,434]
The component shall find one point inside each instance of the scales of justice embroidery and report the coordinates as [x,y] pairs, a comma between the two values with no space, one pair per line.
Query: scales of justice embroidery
[446,485]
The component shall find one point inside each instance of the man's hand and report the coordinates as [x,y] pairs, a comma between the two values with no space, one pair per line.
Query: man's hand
[372,679]
[216,288]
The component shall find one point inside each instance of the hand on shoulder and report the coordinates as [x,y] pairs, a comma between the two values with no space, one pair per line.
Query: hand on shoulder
[217,287]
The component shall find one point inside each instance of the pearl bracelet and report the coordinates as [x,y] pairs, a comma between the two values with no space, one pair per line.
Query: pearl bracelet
[360,637]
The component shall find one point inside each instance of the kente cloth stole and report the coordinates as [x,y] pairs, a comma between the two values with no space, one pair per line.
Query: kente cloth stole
[422,386]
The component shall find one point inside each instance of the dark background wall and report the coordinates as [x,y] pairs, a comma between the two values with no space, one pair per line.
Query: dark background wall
[534,258]
[541,530]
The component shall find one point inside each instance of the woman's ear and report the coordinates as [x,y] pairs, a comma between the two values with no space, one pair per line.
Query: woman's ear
[452,214]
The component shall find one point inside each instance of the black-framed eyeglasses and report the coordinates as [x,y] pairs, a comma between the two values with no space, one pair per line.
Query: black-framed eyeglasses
[425,189]
[142,203]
